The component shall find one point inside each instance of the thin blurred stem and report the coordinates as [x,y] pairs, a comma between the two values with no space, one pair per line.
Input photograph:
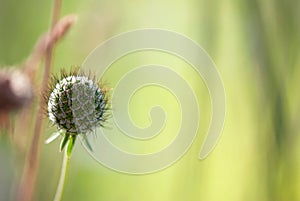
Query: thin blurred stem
[31,165]
[56,12]
[30,67]
[4,120]
[63,174]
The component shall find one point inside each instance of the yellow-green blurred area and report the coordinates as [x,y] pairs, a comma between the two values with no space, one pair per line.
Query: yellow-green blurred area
[255,45]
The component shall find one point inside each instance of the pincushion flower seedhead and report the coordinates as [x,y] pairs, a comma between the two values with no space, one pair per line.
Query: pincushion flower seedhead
[76,104]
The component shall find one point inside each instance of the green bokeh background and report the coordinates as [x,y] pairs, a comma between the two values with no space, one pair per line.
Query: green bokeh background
[256,47]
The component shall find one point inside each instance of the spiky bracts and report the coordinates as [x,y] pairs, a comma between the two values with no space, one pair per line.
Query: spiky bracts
[76,104]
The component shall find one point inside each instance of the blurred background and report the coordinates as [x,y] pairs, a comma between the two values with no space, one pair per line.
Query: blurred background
[256,47]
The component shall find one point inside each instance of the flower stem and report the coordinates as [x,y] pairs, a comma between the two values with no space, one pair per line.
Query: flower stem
[28,179]
[63,173]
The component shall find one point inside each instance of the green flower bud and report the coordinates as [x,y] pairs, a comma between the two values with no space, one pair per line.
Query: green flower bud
[77,104]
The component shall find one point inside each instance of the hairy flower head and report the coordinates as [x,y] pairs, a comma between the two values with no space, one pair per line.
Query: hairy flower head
[76,103]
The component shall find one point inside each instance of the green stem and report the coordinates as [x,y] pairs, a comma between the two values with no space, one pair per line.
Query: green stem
[64,171]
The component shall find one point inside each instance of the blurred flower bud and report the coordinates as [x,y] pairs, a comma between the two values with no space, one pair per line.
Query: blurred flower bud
[15,90]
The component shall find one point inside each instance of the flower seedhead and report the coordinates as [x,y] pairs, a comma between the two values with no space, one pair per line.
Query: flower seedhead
[77,104]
